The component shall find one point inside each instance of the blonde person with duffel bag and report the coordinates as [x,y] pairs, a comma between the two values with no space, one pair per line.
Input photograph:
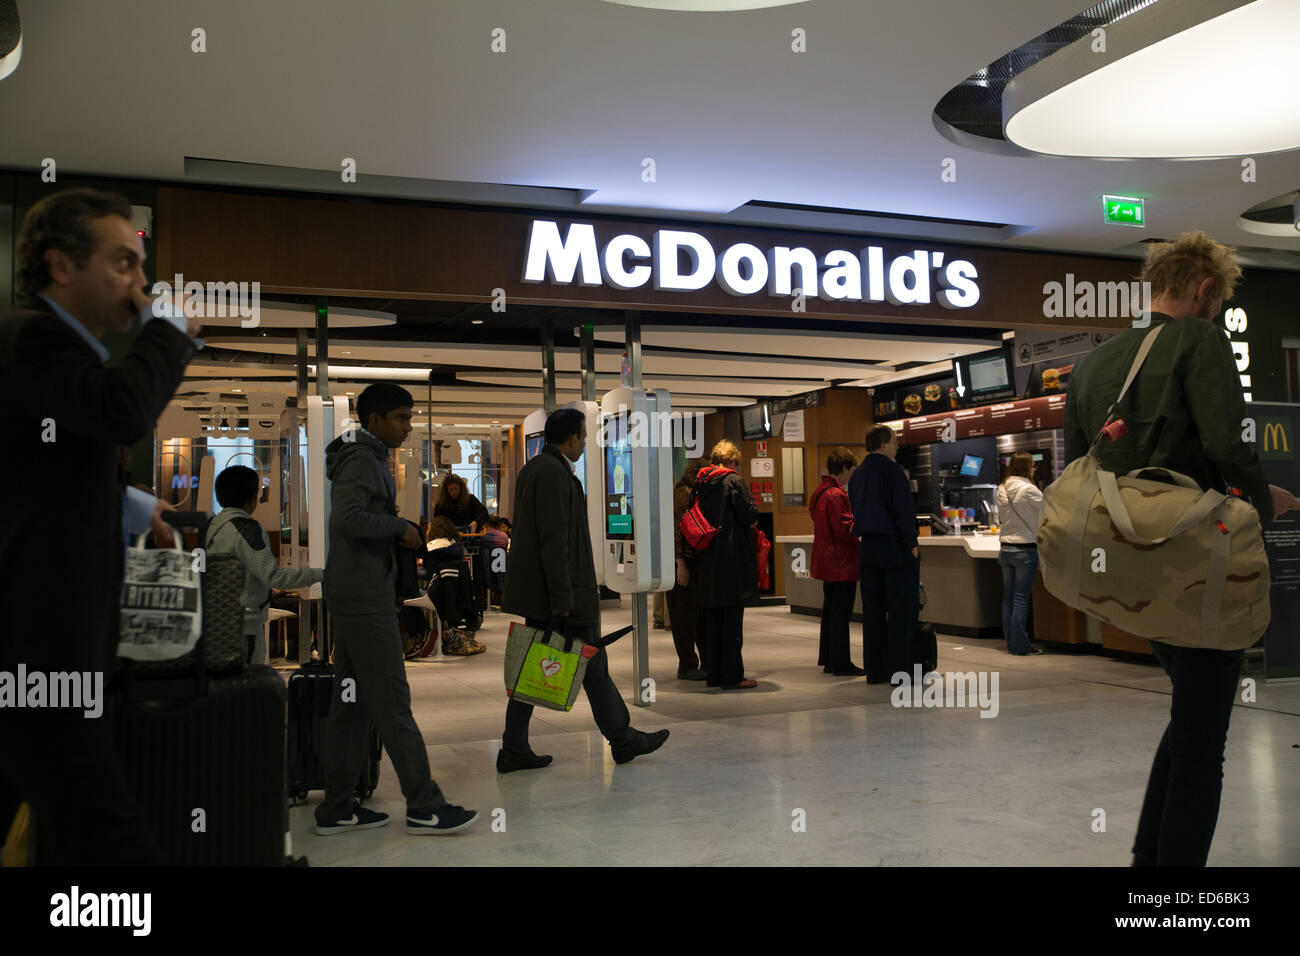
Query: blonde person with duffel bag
[1143,529]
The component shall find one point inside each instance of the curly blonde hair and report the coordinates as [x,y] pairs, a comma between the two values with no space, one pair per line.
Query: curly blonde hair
[724,452]
[1176,268]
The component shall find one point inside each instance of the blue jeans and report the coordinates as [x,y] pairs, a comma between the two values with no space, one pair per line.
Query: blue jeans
[1019,565]
[1181,807]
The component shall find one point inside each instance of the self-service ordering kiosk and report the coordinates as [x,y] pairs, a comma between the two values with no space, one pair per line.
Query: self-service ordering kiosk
[636,496]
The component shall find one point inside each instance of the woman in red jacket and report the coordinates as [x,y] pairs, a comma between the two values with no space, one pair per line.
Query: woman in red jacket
[835,562]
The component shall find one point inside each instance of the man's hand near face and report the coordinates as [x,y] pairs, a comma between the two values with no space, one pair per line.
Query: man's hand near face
[193,323]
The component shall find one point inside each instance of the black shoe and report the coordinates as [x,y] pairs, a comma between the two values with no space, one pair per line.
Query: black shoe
[448,819]
[361,819]
[508,761]
[850,671]
[713,683]
[695,673]
[827,669]
[640,745]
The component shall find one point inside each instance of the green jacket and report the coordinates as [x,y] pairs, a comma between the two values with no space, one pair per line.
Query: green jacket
[1183,412]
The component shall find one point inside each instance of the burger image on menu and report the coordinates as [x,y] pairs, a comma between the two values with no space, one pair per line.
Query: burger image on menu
[912,404]
[932,393]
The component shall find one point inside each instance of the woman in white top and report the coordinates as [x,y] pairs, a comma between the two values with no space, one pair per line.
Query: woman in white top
[1020,507]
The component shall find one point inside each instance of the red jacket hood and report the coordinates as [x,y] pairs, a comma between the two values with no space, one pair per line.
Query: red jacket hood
[712,472]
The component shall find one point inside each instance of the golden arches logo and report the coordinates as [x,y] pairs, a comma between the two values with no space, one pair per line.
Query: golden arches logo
[1275,437]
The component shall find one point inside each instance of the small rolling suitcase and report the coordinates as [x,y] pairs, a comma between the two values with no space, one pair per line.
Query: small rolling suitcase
[925,647]
[207,768]
[310,690]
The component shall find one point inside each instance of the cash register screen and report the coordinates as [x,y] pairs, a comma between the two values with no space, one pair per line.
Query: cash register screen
[971,465]
[618,479]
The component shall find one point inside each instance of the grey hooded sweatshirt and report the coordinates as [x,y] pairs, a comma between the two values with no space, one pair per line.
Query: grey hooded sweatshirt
[364,526]
[235,532]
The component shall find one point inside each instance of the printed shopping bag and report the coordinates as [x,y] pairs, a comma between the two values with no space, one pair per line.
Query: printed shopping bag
[162,610]
[545,667]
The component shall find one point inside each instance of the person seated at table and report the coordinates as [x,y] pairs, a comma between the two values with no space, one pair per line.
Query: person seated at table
[450,588]
[455,502]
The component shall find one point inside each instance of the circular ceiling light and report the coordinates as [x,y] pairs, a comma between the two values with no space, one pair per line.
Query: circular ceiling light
[1224,86]
[706,6]
[1279,216]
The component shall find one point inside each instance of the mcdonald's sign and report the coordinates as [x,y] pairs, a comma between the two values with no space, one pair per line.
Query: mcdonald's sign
[1277,439]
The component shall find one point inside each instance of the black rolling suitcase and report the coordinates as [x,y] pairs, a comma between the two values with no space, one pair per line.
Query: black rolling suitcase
[925,645]
[204,754]
[208,769]
[310,690]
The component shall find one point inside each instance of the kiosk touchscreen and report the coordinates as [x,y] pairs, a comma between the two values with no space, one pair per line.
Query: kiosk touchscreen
[587,467]
[636,499]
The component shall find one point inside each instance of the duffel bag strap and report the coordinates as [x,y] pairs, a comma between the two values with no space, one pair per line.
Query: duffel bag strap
[1143,351]
[1194,515]
[1177,478]
[1216,576]
[1074,540]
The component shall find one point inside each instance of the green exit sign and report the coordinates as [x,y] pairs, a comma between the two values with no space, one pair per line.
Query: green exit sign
[1124,210]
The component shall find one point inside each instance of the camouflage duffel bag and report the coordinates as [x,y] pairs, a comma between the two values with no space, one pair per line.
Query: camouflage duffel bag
[1167,562]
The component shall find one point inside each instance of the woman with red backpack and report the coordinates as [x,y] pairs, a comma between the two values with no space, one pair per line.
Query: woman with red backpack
[727,566]
[835,562]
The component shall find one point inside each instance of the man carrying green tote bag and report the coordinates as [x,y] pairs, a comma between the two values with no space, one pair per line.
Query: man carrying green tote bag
[552,581]
[543,667]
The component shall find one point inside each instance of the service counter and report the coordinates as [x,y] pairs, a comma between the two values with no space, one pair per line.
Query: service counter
[963,584]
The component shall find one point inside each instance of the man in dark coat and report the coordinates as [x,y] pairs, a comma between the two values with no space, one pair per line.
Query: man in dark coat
[67,416]
[551,581]
[728,567]
[885,519]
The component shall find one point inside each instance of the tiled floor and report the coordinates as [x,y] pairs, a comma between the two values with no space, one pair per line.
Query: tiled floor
[873,784]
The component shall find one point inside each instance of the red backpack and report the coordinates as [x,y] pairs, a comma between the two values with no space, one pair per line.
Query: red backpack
[696,528]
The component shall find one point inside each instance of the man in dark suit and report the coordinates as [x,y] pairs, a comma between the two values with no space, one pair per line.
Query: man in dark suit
[885,519]
[79,273]
[552,579]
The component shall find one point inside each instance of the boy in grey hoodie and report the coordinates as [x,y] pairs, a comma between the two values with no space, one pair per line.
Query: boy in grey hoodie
[369,670]
[236,532]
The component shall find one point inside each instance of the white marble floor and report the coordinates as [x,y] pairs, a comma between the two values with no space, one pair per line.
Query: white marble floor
[872,784]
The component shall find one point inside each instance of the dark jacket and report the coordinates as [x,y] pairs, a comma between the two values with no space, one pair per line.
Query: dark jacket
[364,526]
[463,511]
[551,566]
[1183,412]
[61,559]
[882,501]
[728,568]
[835,554]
